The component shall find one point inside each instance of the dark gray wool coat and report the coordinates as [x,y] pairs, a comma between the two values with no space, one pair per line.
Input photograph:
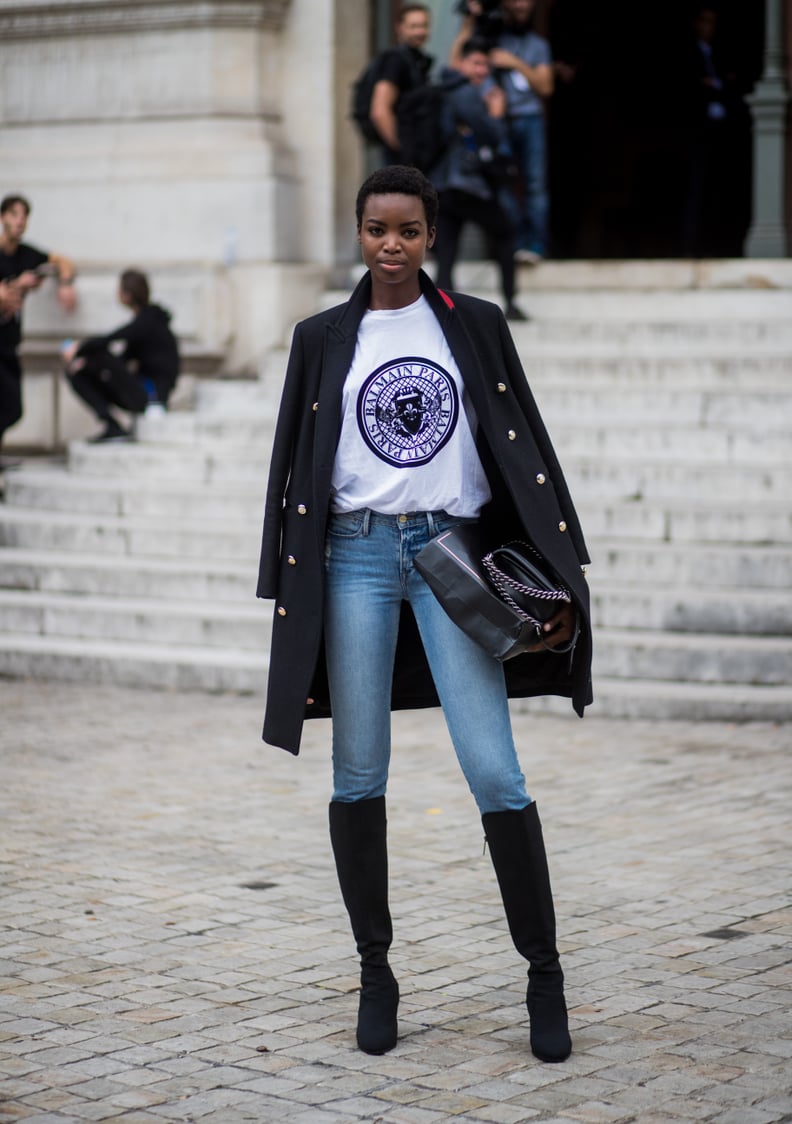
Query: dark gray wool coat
[529,500]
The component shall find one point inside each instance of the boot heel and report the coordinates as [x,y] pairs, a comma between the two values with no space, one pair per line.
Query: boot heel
[549,1024]
[377,1027]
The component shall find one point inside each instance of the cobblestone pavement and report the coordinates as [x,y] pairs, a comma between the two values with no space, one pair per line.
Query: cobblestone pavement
[174,946]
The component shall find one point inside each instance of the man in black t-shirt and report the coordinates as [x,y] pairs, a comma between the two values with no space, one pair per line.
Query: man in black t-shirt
[402,68]
[22,269]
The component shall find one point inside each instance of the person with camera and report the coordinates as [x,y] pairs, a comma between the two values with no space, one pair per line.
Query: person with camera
[23,269]
[524,66]
[472,173]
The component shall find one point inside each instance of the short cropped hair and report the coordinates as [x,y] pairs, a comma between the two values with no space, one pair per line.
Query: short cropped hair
[135,285]
[475,45]
[11,201]
[407,9]
[398,179]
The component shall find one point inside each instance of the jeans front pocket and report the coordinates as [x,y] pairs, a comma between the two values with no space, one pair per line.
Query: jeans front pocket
[346,524]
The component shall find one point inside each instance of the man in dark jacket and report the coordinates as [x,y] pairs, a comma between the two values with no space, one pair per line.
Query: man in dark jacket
[471,173]
[22,270]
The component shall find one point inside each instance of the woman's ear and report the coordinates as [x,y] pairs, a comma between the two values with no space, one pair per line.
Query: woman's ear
[431,237]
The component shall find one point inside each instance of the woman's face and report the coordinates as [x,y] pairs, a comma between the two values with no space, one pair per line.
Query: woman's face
[394,238]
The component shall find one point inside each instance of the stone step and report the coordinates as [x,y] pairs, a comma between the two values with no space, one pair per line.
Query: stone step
[166,667]
[701,342]
[698,658]
[620,461]
[719,365]
[694,521]
[621,291]
[253,429]
[762,410]
[615,389]
[701,565]
[617,564]
[208,464]
[682,443]
[197,667]
[143,538]
[111,575]
[143,620]
[627,374]
[219,397]
[157,534]
[663,478]
[246,625]
[683,702]
[57,490]
[639,476]
[691,609]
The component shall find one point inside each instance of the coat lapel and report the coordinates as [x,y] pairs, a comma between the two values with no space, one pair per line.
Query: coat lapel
[340,338]
[462,347]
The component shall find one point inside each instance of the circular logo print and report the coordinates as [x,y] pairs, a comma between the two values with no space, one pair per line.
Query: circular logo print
[407,410]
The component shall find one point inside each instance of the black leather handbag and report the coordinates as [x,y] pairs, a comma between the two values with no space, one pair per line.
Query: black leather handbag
[500,598]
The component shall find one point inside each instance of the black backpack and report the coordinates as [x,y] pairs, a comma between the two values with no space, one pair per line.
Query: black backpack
[360,103]
[425,129]
[418,112]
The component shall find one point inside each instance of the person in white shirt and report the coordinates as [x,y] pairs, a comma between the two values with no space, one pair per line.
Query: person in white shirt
[405,412]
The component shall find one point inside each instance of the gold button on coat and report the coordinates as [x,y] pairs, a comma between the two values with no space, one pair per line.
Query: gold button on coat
[501,388]
[281,611]
[315,407]
[540,478]
[302,509]
[292,560]
[562,525]
[512,435]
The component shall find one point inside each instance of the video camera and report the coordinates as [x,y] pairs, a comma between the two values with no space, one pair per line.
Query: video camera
[489,23]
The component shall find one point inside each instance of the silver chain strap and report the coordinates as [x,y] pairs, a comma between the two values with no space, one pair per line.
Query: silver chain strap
[506,584]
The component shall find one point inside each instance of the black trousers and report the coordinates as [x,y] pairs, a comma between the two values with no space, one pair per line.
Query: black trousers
[10,392]
[105,381]
[458,208]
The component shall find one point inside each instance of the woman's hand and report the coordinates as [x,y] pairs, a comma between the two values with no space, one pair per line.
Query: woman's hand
[495,101]
[67,297]
[69,351]
[558,630]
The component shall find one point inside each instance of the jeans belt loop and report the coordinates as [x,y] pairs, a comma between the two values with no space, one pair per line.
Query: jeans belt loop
[366,521]
[430,523]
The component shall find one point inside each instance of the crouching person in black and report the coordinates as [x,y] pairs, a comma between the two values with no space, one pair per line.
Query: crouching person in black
[131,368]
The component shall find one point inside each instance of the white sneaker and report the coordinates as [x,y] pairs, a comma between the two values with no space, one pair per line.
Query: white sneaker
[154,410]
[527,257]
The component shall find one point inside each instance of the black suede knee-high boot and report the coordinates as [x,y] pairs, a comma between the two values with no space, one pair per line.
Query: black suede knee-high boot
[518,855]
[358,836]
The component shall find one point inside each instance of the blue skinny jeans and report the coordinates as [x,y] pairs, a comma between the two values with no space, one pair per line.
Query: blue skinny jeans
[369,572]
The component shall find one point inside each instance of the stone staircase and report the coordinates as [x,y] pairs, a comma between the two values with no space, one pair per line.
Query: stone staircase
[672,414]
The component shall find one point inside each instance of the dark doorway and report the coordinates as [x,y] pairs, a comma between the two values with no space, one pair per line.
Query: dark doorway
[639,166]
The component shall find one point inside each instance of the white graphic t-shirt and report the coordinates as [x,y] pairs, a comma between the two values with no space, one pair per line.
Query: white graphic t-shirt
[406,442]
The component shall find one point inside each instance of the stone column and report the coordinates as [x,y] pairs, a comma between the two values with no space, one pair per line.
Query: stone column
[767,237]
[151,133]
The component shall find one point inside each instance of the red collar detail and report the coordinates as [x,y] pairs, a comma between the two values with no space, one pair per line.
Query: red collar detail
[446,298]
